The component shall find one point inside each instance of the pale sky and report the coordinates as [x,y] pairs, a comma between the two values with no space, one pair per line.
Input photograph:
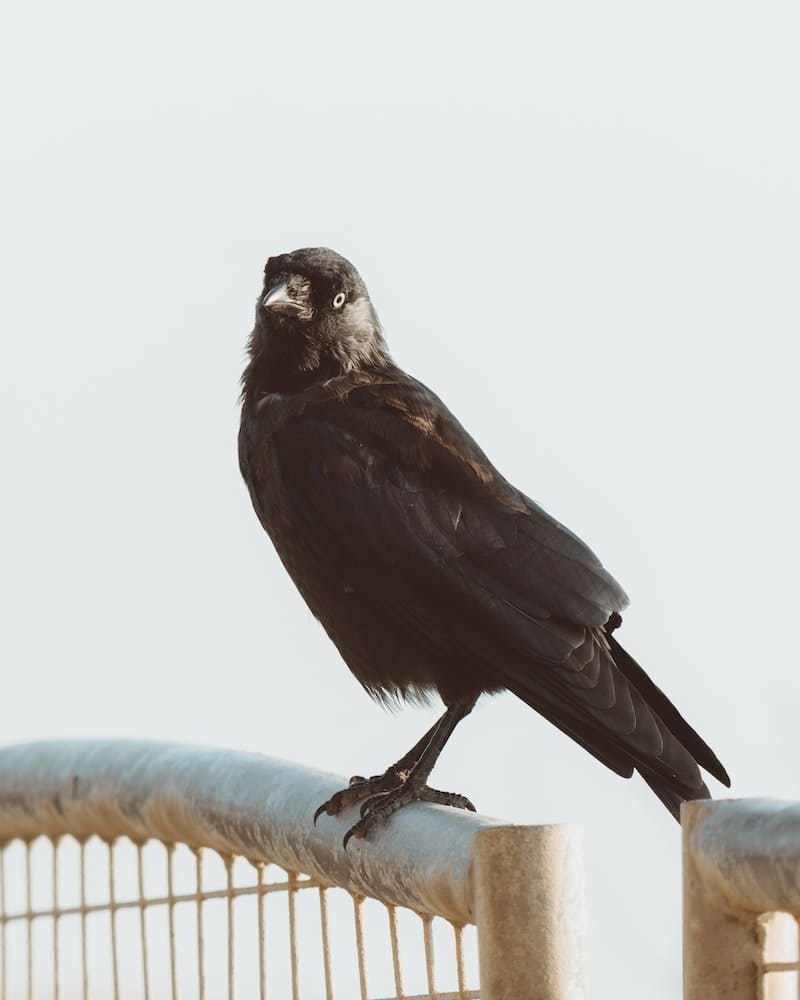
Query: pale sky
[579,225]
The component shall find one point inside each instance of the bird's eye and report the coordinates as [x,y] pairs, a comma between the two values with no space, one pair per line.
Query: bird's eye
[338,300]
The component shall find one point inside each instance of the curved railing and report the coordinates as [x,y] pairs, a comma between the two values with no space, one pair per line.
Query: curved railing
[741,864]
[521,886]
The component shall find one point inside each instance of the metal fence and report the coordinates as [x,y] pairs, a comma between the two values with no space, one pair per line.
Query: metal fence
[741,877]
[131,869]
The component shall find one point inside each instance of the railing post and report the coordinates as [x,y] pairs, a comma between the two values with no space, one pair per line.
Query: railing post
[720,950]
[530,911]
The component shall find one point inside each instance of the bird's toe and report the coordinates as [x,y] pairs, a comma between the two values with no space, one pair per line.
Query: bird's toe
[452,799]
[357,790]
[377,808]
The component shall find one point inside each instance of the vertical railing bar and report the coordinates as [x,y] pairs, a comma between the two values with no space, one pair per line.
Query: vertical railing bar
[391,912]
[143,921]
[3,926]
[292,878]
[229,870]
[84,928]
[262,953]
[112,904]
[326,945]
[362,964]
[458,934]
[201,972]
[56,923]
[173,969]
[430,970]
[29,921]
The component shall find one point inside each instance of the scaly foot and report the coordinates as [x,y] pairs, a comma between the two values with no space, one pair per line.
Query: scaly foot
[383,795]
[359,788]
[378,808]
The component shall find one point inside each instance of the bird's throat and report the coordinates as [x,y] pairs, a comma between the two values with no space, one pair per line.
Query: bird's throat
[287,364]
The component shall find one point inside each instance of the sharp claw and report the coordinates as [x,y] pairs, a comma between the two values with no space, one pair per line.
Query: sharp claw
[381,796]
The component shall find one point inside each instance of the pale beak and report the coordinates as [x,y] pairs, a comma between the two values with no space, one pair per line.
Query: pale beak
[279,299]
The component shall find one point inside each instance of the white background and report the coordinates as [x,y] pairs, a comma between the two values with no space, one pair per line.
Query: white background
[579,224]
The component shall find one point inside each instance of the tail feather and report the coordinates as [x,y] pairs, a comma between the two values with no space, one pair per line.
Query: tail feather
[669,715]
[672,797]
[637,729]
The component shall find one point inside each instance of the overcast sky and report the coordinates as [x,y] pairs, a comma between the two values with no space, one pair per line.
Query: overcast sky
[579,224]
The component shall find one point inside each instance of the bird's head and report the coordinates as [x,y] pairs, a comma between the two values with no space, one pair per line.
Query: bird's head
[314,321]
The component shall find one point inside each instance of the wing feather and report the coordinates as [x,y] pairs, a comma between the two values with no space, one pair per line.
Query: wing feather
[400,501]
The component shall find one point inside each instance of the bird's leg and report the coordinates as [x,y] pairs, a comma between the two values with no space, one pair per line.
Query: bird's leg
[405,781]
[413,788]
[360,788]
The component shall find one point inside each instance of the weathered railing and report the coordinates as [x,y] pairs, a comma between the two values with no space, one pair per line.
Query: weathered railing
[741,871]
[521,886]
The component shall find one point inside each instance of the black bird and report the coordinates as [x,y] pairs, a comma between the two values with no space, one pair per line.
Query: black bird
[429,570]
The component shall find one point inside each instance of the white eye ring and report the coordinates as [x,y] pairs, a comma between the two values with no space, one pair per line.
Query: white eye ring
[338,300]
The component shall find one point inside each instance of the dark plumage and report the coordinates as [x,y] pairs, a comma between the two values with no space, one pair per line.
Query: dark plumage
[429,571]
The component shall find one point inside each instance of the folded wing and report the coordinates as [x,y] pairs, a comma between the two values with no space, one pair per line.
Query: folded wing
[396,498]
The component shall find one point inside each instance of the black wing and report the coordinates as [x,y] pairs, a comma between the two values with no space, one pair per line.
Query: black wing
[396,500]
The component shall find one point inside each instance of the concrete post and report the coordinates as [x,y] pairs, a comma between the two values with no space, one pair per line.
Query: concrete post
[721,951]
[530,912]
